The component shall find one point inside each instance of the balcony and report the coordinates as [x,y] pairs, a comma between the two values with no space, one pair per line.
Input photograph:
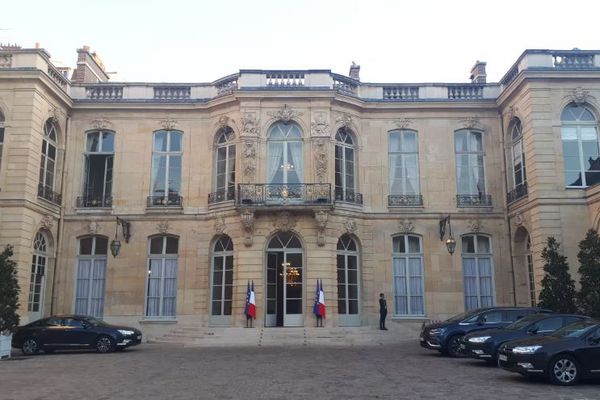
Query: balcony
[94,202]
[516,193]
[348,196]
[170,200]
[405,200]
[46,192]
[279,194]
[473,200]
[221,195]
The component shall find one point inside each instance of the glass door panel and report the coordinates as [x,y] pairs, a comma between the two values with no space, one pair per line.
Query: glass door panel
[293,289]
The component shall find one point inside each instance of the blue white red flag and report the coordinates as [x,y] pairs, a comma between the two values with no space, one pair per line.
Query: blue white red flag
[250,308]
[319,306]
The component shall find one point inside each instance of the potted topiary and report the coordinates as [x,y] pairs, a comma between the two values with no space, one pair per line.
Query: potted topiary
[9,300]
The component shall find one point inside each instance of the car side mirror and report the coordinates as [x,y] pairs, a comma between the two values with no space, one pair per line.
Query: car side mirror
[533,331]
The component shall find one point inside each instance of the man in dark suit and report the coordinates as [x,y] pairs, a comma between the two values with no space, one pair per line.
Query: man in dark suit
[382,311]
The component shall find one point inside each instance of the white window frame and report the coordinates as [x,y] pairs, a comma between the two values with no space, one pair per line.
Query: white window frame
[471,155]
[403,153]
[349,253]
[163,257]
[40,251]
[516,134]
[530,271]
[230,147]
[47,141]
[167,154]
[343,145]
[407,256]
[108,154]
[224,255]
[477,256]
[578,125]
[93,258]
[285,142]
[2,138]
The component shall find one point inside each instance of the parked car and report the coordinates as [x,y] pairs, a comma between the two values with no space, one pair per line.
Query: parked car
[484,344]
[565,356]
[73,332]
[446,336]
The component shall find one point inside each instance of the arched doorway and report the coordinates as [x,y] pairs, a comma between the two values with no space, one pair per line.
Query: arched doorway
[348,281]
[37,282]
[284,278]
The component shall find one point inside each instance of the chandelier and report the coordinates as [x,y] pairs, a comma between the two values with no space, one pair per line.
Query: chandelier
[292,274]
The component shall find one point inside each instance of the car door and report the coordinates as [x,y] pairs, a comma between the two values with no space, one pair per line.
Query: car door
[492,319]
[590,354]
[78,333]
[53,334]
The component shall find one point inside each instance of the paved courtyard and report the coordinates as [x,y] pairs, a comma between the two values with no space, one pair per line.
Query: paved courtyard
[167,371]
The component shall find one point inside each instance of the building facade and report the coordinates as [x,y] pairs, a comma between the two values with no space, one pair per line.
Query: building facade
[284,178]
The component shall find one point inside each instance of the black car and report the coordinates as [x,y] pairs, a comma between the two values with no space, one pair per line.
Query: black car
[565,356]
[73,332]
[446,337]
[484,344]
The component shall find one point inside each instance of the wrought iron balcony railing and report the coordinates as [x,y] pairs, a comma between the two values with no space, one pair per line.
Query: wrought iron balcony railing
[270,194]
[405,200]
[47,193]
[348,195]
[221,195]
[473,200]
[517,193]
[170,200]
[94,202]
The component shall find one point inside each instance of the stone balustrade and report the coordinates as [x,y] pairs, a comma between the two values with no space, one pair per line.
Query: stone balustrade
[396,93]
[172,92]
[104,92]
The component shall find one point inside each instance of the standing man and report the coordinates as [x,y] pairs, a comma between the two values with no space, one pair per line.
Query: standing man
[382,312]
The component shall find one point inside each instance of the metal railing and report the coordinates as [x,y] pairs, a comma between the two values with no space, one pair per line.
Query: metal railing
[170,200]
[348,195]
[517,193]
[473,200]
[47,192]
[405,200]
[221,195]
[94,202]
[264,194]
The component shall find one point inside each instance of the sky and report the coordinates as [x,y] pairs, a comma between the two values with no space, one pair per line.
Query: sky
[393,41]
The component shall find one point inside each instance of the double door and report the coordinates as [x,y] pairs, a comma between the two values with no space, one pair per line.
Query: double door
[285,277]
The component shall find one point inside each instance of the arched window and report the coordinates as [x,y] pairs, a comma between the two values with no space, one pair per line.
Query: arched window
[37,282]
[345,167]
[1,136]
[348,281]
[99,155]
[478,271]
[580,146]
[222,280]
[403,154]
[91,276]
[48,163]
[161,288]
[285,154]
[166,168]
[407,269]
[224,180]
[530,272]
[518,155]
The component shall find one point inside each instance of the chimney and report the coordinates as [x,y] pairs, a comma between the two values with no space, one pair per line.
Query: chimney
[478,74]
[355,71]
[90,68]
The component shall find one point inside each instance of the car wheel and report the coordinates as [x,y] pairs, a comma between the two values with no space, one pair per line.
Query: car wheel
[454,346]
[30,346]
[104,344]
[563,370]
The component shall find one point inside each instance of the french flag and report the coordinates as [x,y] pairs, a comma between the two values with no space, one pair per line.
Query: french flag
[319,307]
[250,309]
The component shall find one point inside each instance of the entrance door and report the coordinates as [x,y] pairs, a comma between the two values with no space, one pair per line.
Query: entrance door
[37,283]
[285,276]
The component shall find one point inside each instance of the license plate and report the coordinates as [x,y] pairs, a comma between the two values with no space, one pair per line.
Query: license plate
[502,357]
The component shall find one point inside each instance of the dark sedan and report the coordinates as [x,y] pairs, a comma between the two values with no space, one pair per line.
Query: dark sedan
[73,332]
[484,344]
[565,356]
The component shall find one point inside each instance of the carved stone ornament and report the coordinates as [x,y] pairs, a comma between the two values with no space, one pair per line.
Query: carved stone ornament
[403,123]
[163,227]
[519,219]
[321,159]
[579,96]
[249,125]
[285,114]
[511,112]
[350,226]
[249,159]
[284,221]
[6,61]
[93,227]
[475,225]
[320,127]
[406,226]
[56,114]
[223,122]
[219,225]
[169,124]
[247,218]
[47,222]
[321,218]
[344,121]
[101,123]
[470,123]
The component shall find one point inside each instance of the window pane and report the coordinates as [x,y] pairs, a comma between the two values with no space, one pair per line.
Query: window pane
[174,174]
[394,145]
[156,245]
[468,244]
[175,141]
[483,244]
[101,245]
[399,245]
[589,133]
[409,142]
[92,142]
[172,244]
[414,244]
[568,133]
[160,141]
[85,246]
[108,142]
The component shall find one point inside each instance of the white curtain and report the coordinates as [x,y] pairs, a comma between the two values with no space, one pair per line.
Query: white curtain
[296,161]
[275,160]
[400,295]
[486,282]
[97,288]
[154,283]
[170,288]
[394,165]
[83,287]
[89,293]
[415,267]
[470,274]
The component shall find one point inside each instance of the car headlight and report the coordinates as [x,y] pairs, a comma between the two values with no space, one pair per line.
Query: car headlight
[437,331]
[526,349]
[479,339]
[125,332]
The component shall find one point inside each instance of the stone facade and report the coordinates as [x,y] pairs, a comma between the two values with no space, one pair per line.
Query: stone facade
[251,213]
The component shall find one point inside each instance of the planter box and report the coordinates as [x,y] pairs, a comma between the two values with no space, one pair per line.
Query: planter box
[5,346]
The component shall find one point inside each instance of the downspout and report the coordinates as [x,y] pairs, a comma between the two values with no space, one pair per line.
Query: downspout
[506,219]
[61,224]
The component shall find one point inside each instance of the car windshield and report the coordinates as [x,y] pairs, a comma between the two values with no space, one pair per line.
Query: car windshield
[463,316]
[576,329]
[95,322]
[523,322]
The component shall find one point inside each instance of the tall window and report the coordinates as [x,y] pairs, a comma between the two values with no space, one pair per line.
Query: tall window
[222,276]
[518,155]
[407,259]
[225,165]
[345,166]
[161,291]
[1,135]
[530,273]
[91,276]
[580,146]
[404,163]
[478,271]
[39,264]
[285,155]
[470,155]
[48,160]
[99,155]
[166,168]
[347,277]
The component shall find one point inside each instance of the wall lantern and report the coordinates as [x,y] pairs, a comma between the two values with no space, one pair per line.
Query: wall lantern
[115,245]
[450,242]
